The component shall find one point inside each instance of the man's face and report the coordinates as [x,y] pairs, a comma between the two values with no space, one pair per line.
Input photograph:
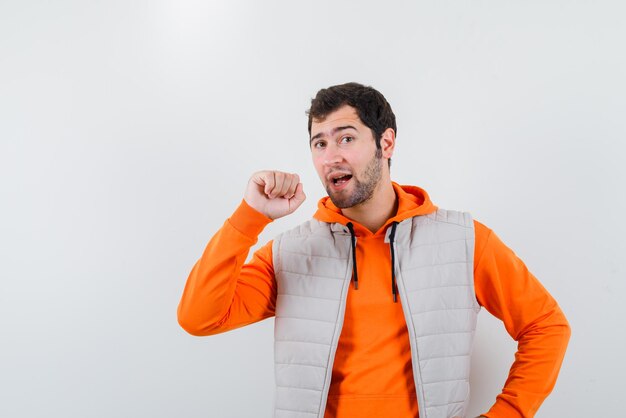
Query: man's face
[345,157]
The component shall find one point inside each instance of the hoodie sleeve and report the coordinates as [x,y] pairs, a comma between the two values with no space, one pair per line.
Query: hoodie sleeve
[222,293]
[506,288]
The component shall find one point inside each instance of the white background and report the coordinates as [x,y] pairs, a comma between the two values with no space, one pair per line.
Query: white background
[129,131]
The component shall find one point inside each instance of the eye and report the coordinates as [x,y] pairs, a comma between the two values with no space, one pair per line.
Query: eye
[319,144]
[346,139]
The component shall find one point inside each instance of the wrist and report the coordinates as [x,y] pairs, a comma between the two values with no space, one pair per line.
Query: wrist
[248,220]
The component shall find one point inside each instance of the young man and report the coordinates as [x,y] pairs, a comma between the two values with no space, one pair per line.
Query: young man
[376,297]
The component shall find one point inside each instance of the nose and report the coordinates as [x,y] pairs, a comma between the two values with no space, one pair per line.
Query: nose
[331,155]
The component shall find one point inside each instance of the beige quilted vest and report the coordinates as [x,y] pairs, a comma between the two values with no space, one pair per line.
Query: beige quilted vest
[434,271]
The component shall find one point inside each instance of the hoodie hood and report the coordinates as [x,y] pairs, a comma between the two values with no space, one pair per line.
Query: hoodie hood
[412,201]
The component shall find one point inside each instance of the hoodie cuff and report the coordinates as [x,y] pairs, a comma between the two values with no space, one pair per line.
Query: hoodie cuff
[502,409]
[248,221]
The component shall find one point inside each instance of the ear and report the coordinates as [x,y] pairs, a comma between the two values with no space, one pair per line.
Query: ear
[388,142]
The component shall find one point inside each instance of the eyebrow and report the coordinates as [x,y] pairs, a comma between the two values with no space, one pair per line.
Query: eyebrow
[334,131]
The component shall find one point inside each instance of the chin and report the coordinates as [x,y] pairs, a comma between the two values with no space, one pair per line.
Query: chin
[342,202]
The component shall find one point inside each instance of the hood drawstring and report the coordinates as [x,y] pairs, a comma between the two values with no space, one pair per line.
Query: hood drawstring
[394,287]
[392,235]
[354,274]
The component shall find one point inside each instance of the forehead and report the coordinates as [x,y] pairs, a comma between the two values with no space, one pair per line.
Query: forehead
[345,115]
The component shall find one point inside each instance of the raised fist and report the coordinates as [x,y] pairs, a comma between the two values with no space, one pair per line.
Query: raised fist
[274,193]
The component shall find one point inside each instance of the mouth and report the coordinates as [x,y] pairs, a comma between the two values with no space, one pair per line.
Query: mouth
[339,181]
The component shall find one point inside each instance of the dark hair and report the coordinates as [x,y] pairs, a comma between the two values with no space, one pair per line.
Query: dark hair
[371,106]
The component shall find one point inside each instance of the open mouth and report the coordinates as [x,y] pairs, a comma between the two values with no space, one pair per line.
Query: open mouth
[338,182]
[342,179]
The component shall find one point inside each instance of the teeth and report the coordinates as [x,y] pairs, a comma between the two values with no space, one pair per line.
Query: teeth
[335,177]
[345,176]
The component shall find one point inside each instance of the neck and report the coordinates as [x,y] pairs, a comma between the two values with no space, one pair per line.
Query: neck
[375,212]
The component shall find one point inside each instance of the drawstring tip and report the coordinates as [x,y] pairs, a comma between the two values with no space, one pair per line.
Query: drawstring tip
[395,298]
[356,285]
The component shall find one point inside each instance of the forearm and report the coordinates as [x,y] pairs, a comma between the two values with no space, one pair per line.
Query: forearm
[534,372]
[222,292]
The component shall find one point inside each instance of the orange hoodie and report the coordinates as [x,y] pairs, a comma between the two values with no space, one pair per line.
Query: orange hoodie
[372,374]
